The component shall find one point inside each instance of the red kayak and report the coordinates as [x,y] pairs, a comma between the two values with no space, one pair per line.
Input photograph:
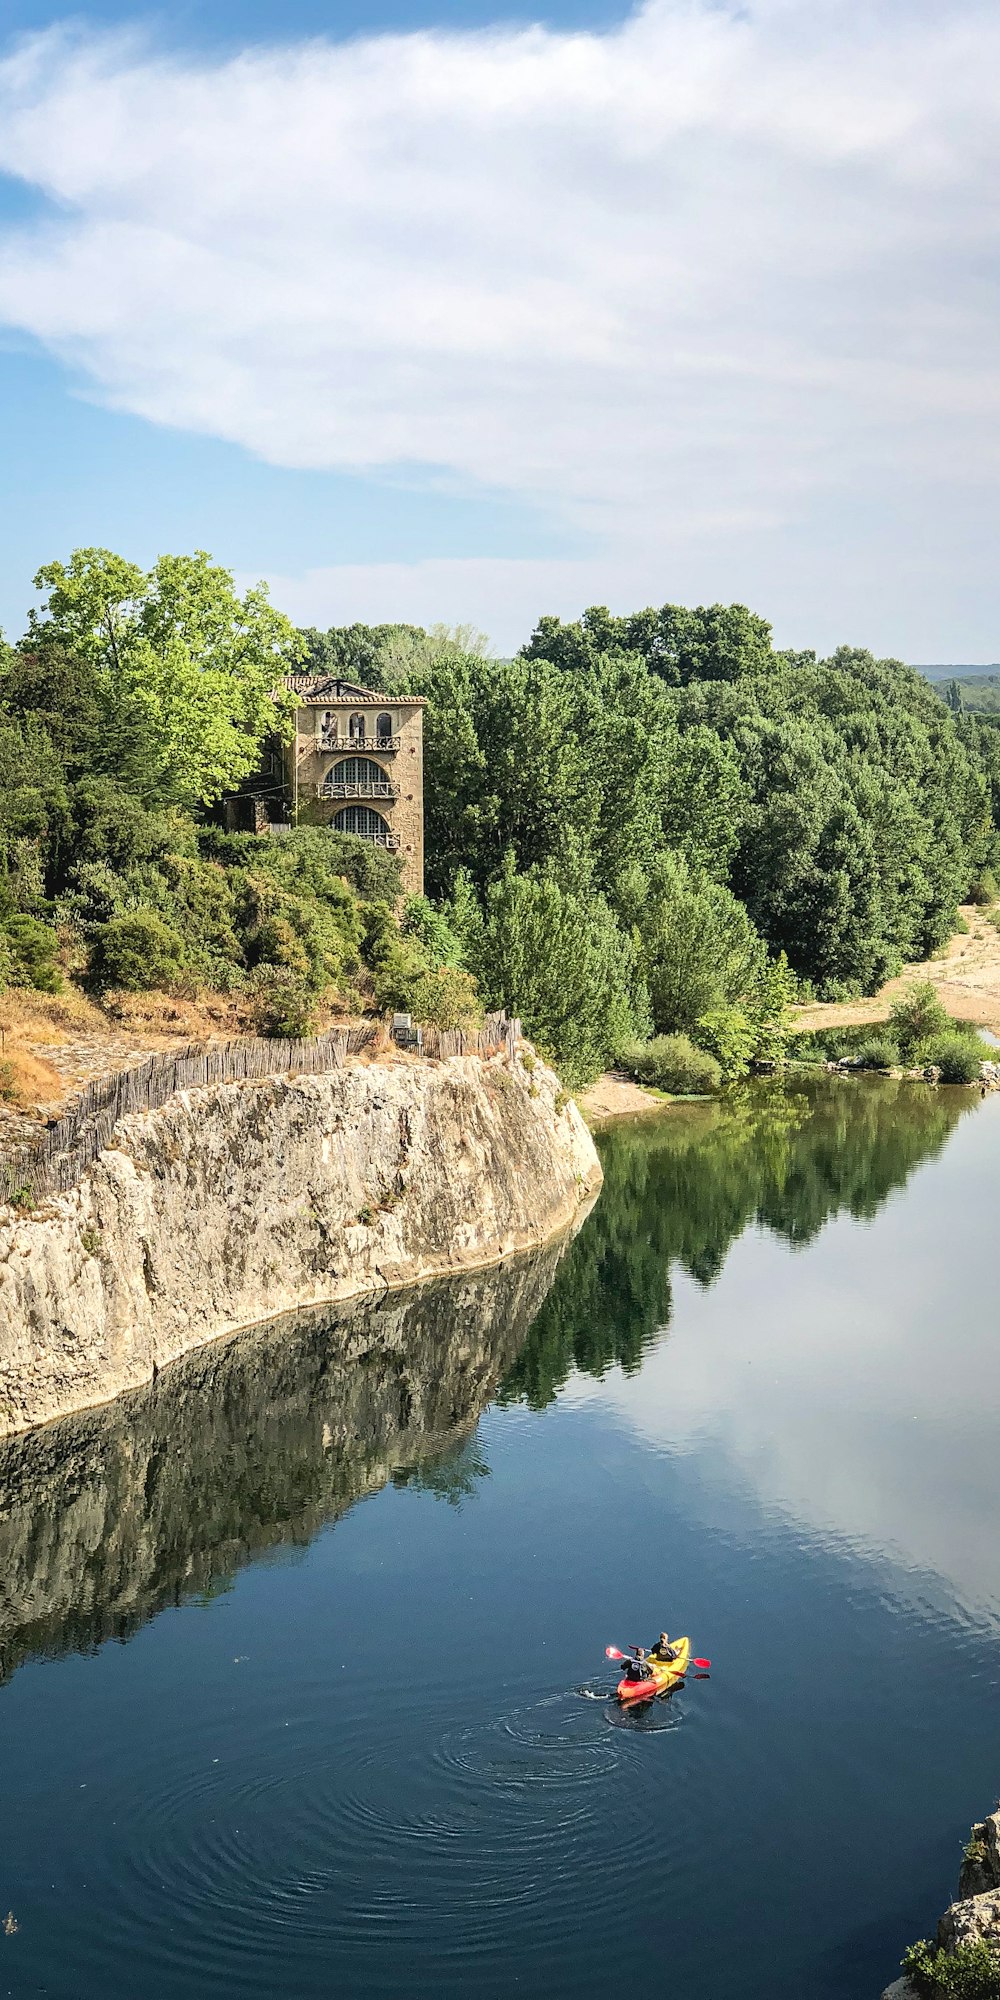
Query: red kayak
[662,1676]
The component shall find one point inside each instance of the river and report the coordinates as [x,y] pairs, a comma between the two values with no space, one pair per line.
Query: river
[304,1689]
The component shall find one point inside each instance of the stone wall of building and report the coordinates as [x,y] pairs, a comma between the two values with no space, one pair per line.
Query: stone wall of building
[310,764]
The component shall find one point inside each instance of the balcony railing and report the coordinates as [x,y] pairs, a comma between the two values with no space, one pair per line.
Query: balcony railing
[337,791]
[355,746]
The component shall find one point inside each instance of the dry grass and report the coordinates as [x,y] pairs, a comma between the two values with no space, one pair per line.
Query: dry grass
[27,1016]
[159,1014]
[27,1080]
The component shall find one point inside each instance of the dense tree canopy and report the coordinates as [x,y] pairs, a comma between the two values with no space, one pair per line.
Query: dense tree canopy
[650,821]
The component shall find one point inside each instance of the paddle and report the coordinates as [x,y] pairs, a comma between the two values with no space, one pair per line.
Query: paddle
[612,1653]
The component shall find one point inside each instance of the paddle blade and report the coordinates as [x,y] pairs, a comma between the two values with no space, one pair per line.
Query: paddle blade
[612,1653]
[703,1664]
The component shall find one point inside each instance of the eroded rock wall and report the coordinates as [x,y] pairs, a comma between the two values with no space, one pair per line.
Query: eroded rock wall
[241,1201]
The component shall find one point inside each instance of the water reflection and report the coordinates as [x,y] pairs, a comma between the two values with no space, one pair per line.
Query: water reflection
[107,1517]
[680,1190]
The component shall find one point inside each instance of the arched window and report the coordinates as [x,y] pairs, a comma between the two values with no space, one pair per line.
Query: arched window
[357,771]
[383,726]
[356,729]
[361,819]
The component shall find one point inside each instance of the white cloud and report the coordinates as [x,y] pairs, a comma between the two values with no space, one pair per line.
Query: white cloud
[691,284]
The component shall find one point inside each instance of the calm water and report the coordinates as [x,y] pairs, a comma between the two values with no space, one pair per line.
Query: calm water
[304,1690]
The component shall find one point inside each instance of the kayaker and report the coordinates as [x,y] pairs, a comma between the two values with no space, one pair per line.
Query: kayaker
[639,1671]
[663,1650]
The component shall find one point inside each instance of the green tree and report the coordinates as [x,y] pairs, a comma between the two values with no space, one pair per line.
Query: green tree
[698,948]
[505,768]
[561,961]
[198,667]
[715,642]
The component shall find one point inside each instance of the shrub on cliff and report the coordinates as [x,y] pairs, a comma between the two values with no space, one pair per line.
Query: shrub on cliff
[28,951]
[984,889]
[970,1972]
[673,1063]
[408,972]
[281,1003]
[136,952]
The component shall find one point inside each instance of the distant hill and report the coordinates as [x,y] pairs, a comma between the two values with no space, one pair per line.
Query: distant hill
[968,690]
[959,673]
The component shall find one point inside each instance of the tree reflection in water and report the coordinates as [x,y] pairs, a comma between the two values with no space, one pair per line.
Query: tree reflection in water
[681,1188]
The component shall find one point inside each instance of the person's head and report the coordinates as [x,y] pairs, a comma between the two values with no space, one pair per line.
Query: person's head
[664,1639]
[640,1652]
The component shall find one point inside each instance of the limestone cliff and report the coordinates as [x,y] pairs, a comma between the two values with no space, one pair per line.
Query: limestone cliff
[974,1917]
[237,1202]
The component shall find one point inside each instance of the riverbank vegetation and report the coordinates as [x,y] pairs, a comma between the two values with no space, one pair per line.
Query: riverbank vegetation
[742,825]
[643,830]
[918,1035]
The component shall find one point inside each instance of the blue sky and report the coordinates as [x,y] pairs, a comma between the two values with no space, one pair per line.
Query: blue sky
[449,312]
[78,473]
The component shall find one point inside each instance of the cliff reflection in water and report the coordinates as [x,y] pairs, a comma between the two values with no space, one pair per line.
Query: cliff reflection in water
[680,1190]
[108,1517]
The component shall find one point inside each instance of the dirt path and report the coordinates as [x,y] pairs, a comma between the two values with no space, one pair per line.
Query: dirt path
[966,975]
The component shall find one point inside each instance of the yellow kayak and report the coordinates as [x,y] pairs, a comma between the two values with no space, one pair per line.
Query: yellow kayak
[665,1674]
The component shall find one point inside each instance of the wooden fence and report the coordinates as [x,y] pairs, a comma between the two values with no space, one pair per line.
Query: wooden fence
[72,1143]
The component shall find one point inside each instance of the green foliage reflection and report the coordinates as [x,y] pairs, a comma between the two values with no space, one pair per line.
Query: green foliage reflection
[681,1188]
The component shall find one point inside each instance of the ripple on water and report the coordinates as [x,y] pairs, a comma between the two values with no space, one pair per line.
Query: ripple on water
[228,1864]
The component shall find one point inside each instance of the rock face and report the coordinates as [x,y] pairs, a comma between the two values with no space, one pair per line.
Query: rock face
[240,1201]
[974,1918]
[254,1442]
[981,1867]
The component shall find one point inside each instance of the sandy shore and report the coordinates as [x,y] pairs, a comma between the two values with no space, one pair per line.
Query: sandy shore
[614,1095]
[966,975]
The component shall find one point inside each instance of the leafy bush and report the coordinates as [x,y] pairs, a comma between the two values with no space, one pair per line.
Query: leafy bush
[984,889]
[29,954]
[281,1003]
[806,1046]
[915,1016]
[958,1056]
[407,976]
[730,1036]
[445,997]
[673,1063]
[441,943]
[136,952]
[971,1972]
[878,1052]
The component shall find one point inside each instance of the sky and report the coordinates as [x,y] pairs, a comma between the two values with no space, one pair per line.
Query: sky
[449,311]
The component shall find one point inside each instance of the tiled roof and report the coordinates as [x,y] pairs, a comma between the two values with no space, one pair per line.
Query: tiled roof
[321,690]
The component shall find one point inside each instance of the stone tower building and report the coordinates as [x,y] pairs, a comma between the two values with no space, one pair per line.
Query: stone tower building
[356,763]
